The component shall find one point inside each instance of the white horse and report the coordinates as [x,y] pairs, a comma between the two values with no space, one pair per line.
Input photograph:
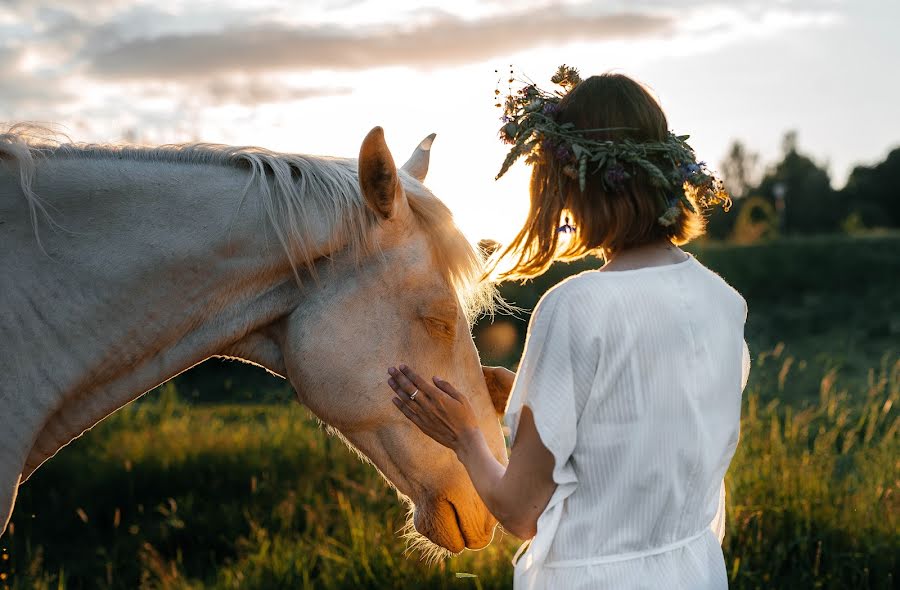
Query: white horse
[121,267]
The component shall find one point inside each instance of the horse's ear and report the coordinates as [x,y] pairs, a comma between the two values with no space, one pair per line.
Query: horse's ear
[378,177]
[417,165]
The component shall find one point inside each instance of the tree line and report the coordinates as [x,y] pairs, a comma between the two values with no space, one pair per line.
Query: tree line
[794,196]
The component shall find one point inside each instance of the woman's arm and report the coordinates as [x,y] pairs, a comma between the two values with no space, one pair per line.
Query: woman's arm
[516,494]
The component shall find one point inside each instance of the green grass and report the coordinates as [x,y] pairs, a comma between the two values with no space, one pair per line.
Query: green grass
[171,494]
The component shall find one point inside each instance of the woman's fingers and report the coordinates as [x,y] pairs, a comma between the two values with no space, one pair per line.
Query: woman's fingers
[448,389]
[398,390]
[402,385]
[409,412]
[409,378]
[429,411]
[405,381]
[403,400]
[417,381]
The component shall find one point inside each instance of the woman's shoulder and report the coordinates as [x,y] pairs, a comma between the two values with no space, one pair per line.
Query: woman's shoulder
[578,293]
[595,282]
[724,289]
[594,289]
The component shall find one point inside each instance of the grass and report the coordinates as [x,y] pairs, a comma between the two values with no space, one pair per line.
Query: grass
[170,495]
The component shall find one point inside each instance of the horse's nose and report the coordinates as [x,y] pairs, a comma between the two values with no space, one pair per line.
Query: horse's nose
[478,529]
[490,525]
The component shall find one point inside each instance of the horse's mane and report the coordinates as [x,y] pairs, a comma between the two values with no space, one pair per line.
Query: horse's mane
[290,185]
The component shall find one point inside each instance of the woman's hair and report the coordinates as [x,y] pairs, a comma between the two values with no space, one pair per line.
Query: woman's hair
[606,220]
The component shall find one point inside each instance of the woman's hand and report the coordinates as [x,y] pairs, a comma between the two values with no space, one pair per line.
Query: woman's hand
[436,408]
[515,494]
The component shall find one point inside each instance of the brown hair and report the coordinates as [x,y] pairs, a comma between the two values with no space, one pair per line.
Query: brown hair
[606,221]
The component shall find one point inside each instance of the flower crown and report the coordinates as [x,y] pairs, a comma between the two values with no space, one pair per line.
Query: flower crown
[530,125]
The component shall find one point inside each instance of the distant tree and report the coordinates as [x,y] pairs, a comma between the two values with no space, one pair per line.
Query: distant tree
[720,223]
[740,169]
[789,142]
[808,203]
[873,193]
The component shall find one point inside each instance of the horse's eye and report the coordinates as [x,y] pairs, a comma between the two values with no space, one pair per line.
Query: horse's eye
[439,328]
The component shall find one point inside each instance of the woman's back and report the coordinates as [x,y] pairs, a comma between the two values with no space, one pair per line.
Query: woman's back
[636,391]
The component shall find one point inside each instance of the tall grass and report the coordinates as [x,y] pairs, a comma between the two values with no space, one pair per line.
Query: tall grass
[169,495]
[814,487]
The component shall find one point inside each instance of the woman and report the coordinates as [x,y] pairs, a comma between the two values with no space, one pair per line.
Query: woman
[625,411]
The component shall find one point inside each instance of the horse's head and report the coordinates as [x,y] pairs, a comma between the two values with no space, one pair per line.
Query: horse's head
[403,302]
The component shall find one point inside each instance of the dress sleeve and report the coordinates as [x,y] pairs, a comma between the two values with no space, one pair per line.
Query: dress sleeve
[745,355]
[718,523]
[545,383]
[745,366]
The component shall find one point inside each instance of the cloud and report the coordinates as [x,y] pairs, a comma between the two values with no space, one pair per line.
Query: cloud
[84,8]
[9,60]
[20,90]
[58,57]
[255,92]
[444,40]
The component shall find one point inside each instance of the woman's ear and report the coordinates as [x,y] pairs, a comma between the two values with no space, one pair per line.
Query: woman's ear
[378,178]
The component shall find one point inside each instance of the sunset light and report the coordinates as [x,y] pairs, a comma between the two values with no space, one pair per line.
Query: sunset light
[449,295]
[315,77]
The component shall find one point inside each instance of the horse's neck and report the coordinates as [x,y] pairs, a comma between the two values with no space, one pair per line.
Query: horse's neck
[160,266]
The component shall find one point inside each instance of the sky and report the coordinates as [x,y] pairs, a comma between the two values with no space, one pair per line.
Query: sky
[314,76]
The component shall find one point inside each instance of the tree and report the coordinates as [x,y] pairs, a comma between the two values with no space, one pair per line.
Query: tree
[740,170]
[808,203]
[873,193]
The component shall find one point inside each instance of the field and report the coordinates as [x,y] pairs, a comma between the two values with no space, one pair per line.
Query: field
[195,487]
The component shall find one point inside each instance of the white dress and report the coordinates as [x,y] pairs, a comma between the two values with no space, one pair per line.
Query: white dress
[634,378]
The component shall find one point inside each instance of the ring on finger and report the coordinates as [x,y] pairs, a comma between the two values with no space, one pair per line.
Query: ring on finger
[412,396]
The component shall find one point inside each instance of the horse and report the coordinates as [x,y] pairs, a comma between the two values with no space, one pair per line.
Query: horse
[123,266]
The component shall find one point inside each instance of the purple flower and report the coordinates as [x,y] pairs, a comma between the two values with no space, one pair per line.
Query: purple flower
[615,176]
[550,108]
[563,153]
[689,169]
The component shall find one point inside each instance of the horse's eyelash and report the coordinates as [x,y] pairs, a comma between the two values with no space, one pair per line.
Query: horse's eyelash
[437,324]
